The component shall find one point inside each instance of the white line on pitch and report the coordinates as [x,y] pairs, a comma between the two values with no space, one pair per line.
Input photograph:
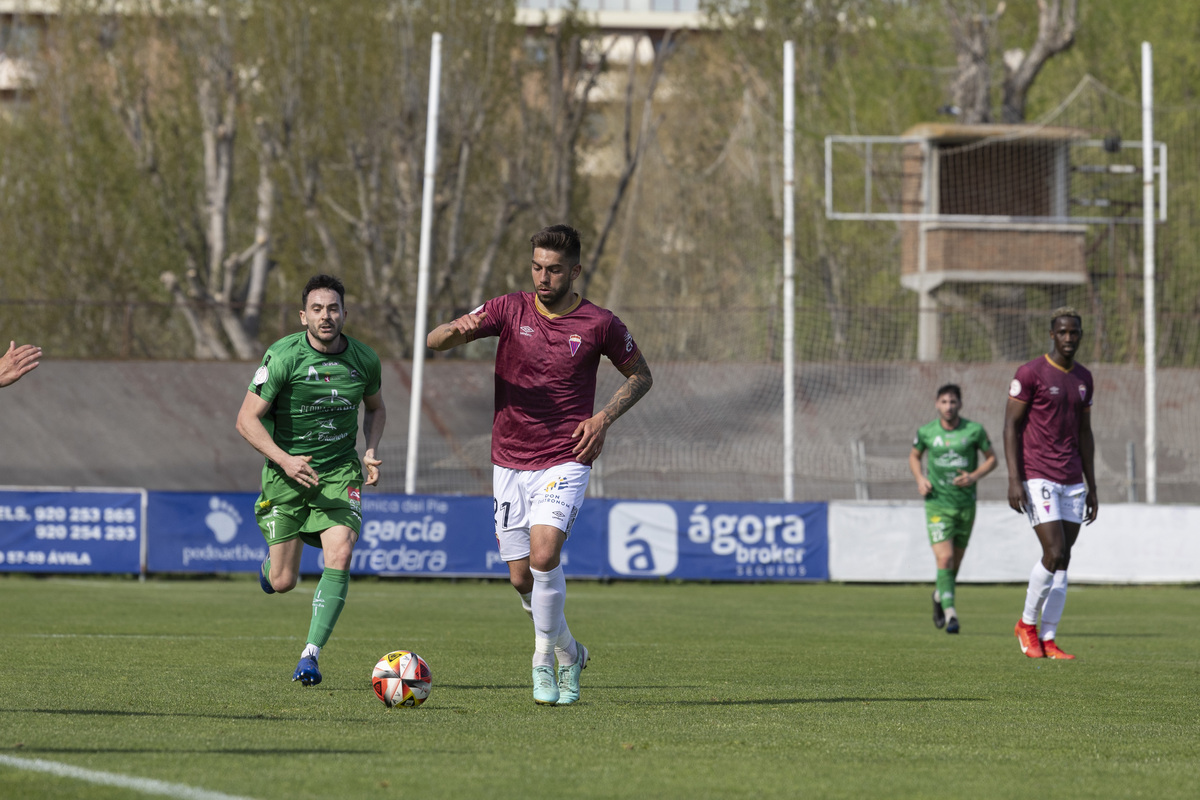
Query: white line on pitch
[143,785]
[147,636]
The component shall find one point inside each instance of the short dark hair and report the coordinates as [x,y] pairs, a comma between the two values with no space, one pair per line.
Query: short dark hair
[561,239]
[323,282]
[1064,311]
[949,388]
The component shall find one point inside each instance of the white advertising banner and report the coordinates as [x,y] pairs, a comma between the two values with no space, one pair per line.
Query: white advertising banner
[885,541]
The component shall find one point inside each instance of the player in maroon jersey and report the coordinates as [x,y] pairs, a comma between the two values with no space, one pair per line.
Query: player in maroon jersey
[1050,452]
[545,435]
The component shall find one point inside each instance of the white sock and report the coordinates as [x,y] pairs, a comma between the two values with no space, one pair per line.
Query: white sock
[951,613]
[547,602]
[1055,601]
[1035,596]
[527,603]
[565,648]
[311,649]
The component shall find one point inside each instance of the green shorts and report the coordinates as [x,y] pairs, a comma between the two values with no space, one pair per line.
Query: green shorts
[953,524]
[286,510]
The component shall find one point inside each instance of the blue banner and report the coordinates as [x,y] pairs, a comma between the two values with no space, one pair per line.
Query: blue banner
[71,531]
[436,535]
[204,532]
[715,541]
[425,535]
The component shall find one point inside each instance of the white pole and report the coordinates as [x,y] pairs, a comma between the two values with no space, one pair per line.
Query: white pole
[1148,274]
[418,367]
[789,275]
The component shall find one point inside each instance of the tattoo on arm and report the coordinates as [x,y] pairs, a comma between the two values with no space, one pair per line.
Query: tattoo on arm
[637,382]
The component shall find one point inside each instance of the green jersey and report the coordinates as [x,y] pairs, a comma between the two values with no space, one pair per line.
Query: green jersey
[314,398]
[951,452]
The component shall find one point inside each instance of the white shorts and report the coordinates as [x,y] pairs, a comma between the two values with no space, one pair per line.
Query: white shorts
[524,498]
[1048,501]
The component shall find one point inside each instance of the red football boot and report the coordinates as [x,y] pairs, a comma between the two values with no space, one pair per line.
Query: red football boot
[1028,637]
[1051,650]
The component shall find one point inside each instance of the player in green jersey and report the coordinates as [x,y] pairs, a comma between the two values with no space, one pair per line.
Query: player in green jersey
[953,444]
[301,412]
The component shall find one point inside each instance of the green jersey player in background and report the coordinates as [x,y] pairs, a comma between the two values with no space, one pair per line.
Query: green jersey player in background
[301,412]
[953,444]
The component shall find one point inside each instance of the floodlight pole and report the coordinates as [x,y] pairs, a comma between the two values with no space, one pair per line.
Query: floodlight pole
[418,365]
[789,274]
[1148,274]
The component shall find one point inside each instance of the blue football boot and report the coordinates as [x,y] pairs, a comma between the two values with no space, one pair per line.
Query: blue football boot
[262,576]
[307,672]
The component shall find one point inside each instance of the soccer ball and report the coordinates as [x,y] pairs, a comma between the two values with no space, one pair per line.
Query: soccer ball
[401,678]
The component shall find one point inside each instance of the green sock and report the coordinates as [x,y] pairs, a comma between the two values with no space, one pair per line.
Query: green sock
[327,604]
[945,587]
[265,569]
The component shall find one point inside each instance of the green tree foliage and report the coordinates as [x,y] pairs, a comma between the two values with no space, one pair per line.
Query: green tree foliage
[177,175]
[197,156]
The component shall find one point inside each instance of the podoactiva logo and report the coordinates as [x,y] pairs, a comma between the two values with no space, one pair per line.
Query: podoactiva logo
[643,539]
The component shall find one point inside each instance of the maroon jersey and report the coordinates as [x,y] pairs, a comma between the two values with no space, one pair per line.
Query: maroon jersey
[1056,398]
[546,374]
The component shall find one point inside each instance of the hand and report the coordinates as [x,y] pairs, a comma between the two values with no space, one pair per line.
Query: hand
[1016,495]
[1091,506]
[297,468]
[963,479]
[17,361]
[467,324]
[372,464]
[590,433]
[924,486]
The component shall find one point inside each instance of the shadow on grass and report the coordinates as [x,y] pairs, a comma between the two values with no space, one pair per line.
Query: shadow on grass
[784,701]
[228,751]
[1076,635]
[104,712]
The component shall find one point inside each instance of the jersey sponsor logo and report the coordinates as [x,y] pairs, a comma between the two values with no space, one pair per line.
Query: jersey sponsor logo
[643,539]
[1014,388]
[261,375]
[331,403]
[526,330]
[576,340]
[951,460]
[354,493]
[628,342]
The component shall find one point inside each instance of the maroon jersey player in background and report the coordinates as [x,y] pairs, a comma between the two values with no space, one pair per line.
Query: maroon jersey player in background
[545,435]
[1050,452]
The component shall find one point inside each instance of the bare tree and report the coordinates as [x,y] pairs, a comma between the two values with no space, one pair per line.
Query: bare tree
[219,289]
[1057,25]
[975,34]
[632,151]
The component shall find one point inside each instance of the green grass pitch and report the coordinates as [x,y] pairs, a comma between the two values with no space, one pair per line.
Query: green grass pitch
[694,691]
